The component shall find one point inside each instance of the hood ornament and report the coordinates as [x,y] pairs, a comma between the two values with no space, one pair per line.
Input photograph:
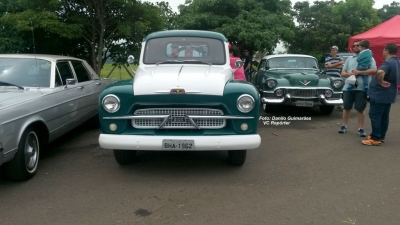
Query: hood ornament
[305,82]
[177,91]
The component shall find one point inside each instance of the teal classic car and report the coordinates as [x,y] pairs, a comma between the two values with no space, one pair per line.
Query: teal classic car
[294,79]
[182,98]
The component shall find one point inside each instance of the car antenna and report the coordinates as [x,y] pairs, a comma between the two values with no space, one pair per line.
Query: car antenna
[34,51]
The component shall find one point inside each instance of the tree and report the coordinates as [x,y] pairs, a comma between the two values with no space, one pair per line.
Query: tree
[256,25]
[91,29]
[322,25]
[387,12]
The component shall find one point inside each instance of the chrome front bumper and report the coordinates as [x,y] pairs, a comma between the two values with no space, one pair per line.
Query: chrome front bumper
[286,100]
[201,143]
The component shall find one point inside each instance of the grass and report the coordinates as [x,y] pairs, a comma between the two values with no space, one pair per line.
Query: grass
[117,73]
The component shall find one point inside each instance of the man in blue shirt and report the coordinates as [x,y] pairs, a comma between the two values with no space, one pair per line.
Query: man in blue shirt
[382,93]
[356,96]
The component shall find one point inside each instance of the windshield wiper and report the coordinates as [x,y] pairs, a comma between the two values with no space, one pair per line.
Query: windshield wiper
[2,83]
[198,61]
[169,61]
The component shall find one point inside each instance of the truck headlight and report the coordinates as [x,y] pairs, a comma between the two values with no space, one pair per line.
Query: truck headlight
[111,103]
[337,83]
[245,103]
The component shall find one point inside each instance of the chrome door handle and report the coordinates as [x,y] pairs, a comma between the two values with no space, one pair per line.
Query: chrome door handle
[80,87]
[98,83]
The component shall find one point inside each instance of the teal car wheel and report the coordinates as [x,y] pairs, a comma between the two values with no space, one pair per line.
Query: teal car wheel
[326,109]
[268,108]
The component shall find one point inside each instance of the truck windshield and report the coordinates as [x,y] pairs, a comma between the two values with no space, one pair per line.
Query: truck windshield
[185,50]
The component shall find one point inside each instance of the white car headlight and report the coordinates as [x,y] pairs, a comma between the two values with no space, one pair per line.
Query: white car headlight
[111,103]
[271,83]
[245,103]
[337,83]
[328,93]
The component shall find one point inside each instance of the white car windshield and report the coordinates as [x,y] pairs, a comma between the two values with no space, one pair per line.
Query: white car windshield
[25,72]
[292,62]
[185,50]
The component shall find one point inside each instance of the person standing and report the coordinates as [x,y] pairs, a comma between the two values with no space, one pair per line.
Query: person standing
[355,96]
[247,63]
[382,93]
[333,65]
[234,56]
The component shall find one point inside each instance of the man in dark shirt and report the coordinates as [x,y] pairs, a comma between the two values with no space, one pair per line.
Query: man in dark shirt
[382,93]
[247,63]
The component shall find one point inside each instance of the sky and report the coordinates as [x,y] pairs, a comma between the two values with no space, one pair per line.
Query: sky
[175,3]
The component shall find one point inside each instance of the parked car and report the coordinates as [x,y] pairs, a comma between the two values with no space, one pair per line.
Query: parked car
[42,97]
[183,98]
[294,79]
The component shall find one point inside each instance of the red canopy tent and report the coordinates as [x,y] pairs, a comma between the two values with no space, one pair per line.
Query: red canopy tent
[379,37]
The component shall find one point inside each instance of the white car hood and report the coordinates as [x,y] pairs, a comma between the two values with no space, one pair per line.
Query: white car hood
[10,97]
[195,79]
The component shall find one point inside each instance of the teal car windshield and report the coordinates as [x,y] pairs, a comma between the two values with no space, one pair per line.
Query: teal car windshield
[185,50]
[25,72]
[291,62]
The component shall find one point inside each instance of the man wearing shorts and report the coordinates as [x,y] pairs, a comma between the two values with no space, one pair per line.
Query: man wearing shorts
[355,97]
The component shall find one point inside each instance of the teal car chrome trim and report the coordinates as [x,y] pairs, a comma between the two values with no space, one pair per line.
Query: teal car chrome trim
[305,88]
[287,98]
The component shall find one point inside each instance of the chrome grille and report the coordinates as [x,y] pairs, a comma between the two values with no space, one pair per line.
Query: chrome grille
[178,120]
[304,93]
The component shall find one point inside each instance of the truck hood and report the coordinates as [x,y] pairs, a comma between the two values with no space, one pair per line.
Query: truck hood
[9,97]
[194,79]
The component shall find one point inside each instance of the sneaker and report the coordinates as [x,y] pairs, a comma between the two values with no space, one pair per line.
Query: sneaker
[342,129]
[371,142]
[361,133]
[369,138]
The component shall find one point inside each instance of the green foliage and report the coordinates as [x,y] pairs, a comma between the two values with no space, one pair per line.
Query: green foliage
[95,30]
[322,25]
[387,12]
[98,30]
[252,24]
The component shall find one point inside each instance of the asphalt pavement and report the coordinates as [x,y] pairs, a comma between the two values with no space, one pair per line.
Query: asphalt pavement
[305,172]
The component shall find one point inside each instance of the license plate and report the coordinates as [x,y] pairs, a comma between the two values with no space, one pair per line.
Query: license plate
[178,145]
[304,104]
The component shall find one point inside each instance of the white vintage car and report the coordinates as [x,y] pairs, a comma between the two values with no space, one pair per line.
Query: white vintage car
[41,98]
[183,98]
